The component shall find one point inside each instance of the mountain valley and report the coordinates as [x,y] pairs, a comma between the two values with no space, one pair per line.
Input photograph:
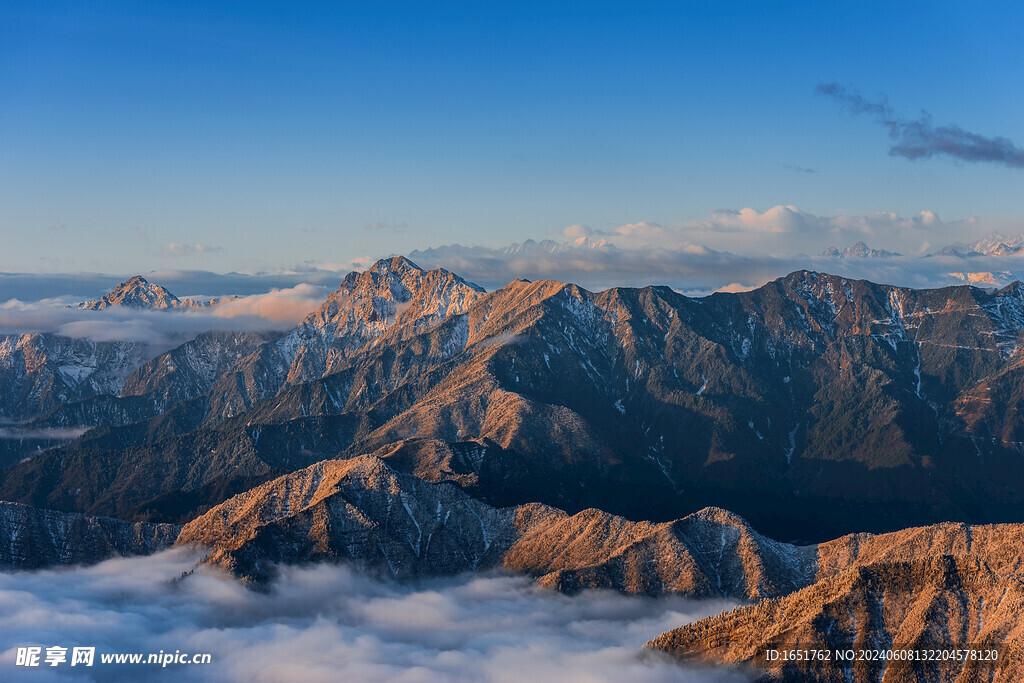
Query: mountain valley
[811,447]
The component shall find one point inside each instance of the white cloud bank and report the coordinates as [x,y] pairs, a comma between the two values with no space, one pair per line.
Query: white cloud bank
[326,623]
[731,250]
[696,271]
[727,250]
[787,229]
[183,249]
[278,309]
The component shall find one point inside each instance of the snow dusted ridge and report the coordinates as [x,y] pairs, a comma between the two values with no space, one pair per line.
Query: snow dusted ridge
[363,511]
[392,292]
[42,371]
[634,401]
[393,299]
[31,538]
[993,245]
[39,372]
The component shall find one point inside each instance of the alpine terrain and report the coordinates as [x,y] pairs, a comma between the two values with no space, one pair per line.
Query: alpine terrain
[846,457]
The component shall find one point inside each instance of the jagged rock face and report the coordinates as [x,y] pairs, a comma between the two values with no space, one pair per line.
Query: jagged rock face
[31,538]
[137,292]
[184,373]
[941,602]
[393,299]
[813,406]
[358,510]
[363,511]
[189,370]
[41,371]
[944,586]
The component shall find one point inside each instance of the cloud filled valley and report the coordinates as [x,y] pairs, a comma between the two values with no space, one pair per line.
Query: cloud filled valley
[326,623]
[277,309]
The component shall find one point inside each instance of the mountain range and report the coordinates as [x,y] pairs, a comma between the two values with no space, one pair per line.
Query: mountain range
[942,586]
[994,244]
[811,406]
[417,425]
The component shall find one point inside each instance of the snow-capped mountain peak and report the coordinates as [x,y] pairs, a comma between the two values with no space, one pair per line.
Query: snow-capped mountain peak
[995,244]
[858,250]
[392,290]
[137,292]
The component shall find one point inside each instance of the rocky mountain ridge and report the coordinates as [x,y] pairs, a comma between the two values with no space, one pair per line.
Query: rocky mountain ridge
[934,604]
[31,538]
[392,300]
[941,587]
[42,371]
[642,402]
[995,244]
[365,512]
[383,514]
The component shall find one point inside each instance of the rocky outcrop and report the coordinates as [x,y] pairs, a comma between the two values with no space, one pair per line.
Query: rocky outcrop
[392,300]
[940,587]
[939,603]
[31,538]
[41,371]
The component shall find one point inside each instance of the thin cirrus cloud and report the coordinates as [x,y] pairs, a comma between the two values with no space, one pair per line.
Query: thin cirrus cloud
[184,249]
[328,623]
[380,226]
[921,139]
[799,169]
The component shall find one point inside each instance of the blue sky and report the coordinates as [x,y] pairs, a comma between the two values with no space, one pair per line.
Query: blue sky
[259,136]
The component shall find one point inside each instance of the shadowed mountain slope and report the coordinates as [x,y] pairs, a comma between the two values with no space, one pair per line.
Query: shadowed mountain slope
[363,511]
[813,406]
[31,538]
[939,603]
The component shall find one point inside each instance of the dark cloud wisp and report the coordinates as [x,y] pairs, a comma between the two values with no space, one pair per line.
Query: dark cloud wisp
[920,139]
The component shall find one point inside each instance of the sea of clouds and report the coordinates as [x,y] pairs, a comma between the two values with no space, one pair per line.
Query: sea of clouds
[327,623]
